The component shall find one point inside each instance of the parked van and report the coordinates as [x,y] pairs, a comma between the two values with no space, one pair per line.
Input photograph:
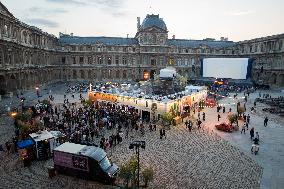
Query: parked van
[86,162]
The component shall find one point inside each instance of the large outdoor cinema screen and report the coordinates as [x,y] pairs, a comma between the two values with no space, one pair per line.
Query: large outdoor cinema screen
[235,68]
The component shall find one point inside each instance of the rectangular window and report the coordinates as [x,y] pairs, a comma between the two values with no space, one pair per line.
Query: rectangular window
[63,60]
[89,60]
[153,62]
[81,60]
[100,60]
[117,60]
[124,60]
[74,60]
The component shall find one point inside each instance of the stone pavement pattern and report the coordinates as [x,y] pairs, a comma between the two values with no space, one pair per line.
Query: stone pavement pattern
[271,154]
[183,160]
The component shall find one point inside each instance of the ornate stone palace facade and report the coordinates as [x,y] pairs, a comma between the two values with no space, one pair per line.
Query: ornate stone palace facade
[29,56]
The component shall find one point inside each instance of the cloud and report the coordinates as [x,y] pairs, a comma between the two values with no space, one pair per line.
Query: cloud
[111,7]
[42,22]
[66,2]
[241,13]
[45,12]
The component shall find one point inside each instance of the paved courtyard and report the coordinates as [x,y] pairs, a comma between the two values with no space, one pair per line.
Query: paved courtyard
[200,159]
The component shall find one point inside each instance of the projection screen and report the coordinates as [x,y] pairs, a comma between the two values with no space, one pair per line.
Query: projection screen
[235,68]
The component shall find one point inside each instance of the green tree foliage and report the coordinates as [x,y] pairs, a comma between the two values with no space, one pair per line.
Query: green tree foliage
[148,175]
[232,118]
[128,170]
[167,118]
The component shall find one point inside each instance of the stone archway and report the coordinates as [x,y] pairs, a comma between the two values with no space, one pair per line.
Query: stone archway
[2,85]
[152,74]
[82,74]
[12,83]
[274,78]
[281,80]
[74,74]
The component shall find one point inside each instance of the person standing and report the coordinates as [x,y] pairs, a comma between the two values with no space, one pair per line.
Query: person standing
[257,136]
[265,121]
[224,109]
[203,116]
[248,118]
[219,117]
[251,133]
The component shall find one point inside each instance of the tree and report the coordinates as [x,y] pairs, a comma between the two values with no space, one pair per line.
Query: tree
[125,173]
[128,170]
[240,110]
[233,118]
[148,175]
[167,118]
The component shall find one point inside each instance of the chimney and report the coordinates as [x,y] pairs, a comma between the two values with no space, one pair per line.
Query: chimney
[127,36]
[138,23]
[71,34]
[174,37]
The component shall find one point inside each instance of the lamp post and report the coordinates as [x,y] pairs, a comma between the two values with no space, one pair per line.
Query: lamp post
[137,145]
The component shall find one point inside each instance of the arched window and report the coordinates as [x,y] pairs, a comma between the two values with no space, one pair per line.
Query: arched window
[109,60]
[5,30]
[117,74]
[124,74]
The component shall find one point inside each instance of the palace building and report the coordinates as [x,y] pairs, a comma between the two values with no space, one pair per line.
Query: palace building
[31,57]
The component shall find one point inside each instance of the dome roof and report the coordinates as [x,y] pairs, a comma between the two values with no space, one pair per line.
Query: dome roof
[153,20]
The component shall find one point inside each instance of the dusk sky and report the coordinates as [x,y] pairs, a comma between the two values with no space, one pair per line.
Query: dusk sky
[186,19]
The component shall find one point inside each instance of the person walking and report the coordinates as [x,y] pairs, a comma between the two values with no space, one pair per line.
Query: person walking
[265,121]
[164,133]
[251,133]
[243,129]
[224,109]
[219,117]
[161,133]
[203,116]
[190,125]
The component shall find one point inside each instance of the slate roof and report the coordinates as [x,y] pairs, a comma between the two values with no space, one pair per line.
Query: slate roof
[153,20]
[93,40]
[197,43]
[185,43]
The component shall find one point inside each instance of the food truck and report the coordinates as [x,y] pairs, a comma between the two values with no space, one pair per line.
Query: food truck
[86,162]
[45,142]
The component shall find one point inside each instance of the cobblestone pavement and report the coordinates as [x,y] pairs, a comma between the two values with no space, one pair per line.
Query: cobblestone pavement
[200,159]
[182,160]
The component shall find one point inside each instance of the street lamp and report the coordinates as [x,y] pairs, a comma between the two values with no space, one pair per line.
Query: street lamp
[137,145]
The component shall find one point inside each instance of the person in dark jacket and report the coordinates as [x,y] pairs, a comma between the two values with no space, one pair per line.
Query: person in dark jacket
[251,133]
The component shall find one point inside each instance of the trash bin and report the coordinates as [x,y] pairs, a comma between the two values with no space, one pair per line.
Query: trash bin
[51,172]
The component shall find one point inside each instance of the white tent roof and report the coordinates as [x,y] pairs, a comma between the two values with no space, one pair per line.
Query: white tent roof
[168,72]
[194,88]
